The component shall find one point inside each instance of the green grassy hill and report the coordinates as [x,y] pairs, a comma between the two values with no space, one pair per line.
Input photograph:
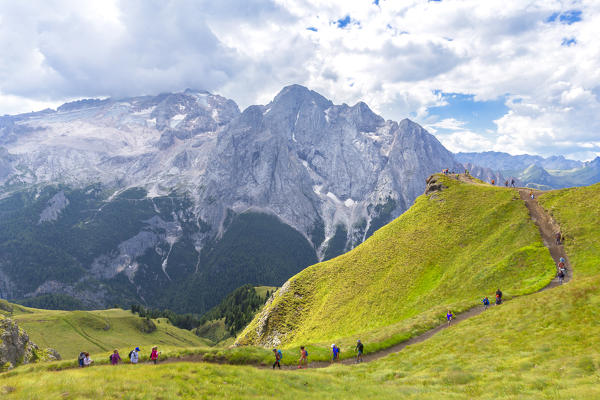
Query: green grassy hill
[98,332]
[541,346]
[448,250]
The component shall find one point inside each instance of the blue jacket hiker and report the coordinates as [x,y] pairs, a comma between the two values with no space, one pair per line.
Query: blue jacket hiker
[278,357]
[336,352]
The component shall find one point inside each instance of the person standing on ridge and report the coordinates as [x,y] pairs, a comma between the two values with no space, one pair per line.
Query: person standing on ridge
[359,351]
[506,183]
[303,357]
[449,316]
[512,182]
[493,181]
[278,357]
[486,302]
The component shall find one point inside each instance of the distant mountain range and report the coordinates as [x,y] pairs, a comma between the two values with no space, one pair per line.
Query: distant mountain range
[175,200]
[533,171]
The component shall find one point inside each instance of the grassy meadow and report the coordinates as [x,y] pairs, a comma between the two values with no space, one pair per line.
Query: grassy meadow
[447,251]
[98,332]
[540,346]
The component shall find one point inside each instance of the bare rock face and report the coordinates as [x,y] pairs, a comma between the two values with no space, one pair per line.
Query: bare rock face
[434,185]
[17,349]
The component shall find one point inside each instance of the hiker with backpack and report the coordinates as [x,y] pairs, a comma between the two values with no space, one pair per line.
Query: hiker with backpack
[498,297]
[561,276]
[359,351]
[278,357]
[493,182]
[115,358]
[336,353]
[303,357]
[512,182]
[80,359]
[449,316]
[486,302]
[154,354]
[558,238]
[134,355]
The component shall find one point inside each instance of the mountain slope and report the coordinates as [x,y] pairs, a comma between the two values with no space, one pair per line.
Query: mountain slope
[452,247]
[543,345]
[172,201]
[70,332]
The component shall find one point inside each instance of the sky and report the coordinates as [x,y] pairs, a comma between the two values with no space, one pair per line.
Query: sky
[510,75]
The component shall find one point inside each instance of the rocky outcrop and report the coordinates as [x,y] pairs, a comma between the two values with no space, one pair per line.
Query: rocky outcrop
[17,349]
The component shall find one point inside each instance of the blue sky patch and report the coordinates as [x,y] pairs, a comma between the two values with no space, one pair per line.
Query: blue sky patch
[343,22]
[568,17]
[477,115]
[376,2]
[568,42]
[312,28]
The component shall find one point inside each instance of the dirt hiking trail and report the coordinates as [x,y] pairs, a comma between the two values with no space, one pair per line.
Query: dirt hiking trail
[548,229]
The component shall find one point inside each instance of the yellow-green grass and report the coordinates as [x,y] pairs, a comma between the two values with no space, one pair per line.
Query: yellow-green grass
[577,210]
[447,251]
[98,332]
[262,290]
[534,347]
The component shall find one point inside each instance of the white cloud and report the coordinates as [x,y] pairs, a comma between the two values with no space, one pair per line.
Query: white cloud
[397,57]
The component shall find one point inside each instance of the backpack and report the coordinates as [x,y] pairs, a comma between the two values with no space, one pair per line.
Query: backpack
[130,353]
[280,354]
[306,353]
[110,358]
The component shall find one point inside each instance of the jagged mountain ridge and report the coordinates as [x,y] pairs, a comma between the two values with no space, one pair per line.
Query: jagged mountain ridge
[333,173]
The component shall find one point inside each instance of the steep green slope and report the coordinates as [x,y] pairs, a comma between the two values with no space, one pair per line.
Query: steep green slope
[448,250]
[577,210]
[70,332]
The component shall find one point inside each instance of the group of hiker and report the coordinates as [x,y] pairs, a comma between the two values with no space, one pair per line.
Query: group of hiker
[335,351]
[506,182]
[115,358]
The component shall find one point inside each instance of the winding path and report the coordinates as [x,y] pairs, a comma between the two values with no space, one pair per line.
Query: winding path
[548,229]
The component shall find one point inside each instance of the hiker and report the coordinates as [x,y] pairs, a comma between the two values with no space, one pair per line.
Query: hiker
[498,297]
[115,358]
[80,359]
[303,357]
[486,302]
[512,182]
[558,237]
[561,276]
[449,316]
[336,352]
[87,361]
[154,354]
[493,181]
[134,356]
[359,351]
[506,183]
[531,194]
[278,357]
